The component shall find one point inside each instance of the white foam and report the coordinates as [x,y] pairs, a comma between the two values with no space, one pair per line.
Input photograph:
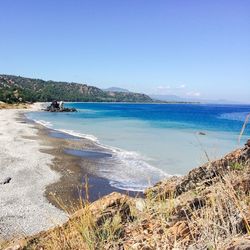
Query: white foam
[130,171]
[44,123]
[66,131]
[129,186]
[127,170]
[81,135]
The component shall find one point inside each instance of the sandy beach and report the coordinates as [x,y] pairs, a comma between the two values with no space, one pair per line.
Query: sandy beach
[24,210]
[43,176]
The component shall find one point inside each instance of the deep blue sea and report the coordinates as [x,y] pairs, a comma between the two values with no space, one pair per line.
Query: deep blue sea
[149,142]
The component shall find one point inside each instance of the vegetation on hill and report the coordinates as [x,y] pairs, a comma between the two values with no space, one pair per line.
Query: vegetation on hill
[20,89]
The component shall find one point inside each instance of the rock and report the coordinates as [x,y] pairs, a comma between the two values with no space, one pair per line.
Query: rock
[6,181]
[164,189]
[201,133]
[140,204]
[180,231]
[248,143]
[52,109]
[107,208]
[14,247]
[58,107]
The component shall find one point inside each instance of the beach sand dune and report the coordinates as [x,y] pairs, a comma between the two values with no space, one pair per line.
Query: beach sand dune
[24,210]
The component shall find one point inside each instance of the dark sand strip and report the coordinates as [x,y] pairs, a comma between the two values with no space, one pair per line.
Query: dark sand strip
[76,159]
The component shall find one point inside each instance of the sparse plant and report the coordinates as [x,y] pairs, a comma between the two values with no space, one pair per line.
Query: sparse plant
[237,166]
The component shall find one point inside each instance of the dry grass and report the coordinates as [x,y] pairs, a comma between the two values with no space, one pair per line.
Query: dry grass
[207,225]
[157,223]
[223,217]
[87,229]
[14,106]
[83,233]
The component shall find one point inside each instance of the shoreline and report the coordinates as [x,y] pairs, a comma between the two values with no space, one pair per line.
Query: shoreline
[110,168]
[73,170]
[52,181]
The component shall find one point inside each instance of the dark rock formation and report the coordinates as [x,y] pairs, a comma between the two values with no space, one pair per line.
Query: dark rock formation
[58,107]
[6,181]
[51,109]
[202,133]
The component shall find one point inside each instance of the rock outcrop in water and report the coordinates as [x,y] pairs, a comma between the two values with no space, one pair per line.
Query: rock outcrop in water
[58,107]
[209,208]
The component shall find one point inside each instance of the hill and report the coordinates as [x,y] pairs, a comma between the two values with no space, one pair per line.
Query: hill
[21,89]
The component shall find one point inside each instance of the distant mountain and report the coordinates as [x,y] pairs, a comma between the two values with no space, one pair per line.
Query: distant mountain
[116,89]
[167,98]
[174,98]
[22,89]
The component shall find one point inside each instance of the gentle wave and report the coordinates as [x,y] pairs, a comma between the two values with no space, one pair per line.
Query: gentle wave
[67,131]
[235,116]
[76,134]
[44,123]
[128,169]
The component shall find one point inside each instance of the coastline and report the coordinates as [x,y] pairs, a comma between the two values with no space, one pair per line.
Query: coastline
[34,154]
[48,170]
[76,171]
[44,179]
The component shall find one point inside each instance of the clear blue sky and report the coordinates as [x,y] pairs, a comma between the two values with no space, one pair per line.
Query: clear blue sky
[190,48]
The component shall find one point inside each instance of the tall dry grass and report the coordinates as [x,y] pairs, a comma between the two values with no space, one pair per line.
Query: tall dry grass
[209,225]
[222,218]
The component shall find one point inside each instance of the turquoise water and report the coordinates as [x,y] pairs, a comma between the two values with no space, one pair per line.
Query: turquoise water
[149,142]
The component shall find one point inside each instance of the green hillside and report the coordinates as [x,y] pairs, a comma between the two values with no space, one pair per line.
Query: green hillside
[20,89]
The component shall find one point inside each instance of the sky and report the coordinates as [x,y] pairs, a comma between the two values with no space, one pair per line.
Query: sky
[196,49]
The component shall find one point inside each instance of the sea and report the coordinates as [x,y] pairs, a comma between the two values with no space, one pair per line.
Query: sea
[150,142]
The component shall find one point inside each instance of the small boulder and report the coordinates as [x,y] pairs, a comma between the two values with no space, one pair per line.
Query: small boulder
[6,180]
[248,143]
[202,133]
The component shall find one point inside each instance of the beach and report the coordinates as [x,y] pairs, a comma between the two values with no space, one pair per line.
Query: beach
[45,173]
[24,210]
[50,170]
[44,180]
[148,142]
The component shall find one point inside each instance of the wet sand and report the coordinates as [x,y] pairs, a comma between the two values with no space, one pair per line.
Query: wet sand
[76,160]
[48,171]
